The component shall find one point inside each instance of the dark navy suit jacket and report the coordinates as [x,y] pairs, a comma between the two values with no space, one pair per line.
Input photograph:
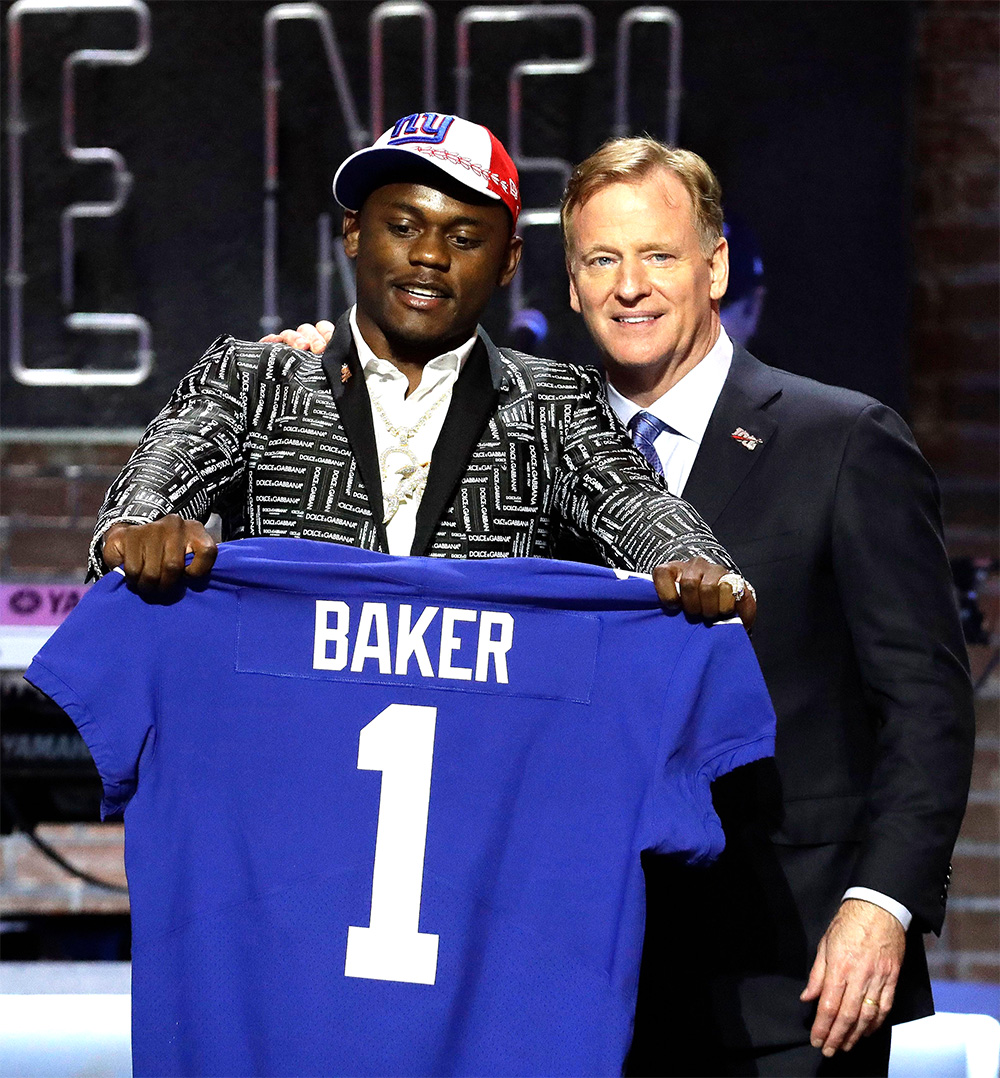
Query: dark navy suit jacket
[834,516]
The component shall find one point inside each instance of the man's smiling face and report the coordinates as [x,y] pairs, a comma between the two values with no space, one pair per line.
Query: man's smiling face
[645,287]
[427,264]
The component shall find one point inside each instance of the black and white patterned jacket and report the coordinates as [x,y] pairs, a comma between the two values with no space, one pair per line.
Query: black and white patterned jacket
[275,441]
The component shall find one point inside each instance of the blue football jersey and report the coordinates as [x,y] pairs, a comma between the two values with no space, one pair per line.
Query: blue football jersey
[383,816]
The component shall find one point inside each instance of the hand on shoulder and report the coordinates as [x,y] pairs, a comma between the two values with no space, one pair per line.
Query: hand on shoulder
[308,337]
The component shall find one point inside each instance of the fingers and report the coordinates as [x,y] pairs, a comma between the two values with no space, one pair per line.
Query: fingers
[870,1017]
[292,337]
[886,1000]
[828,1015]
[308,337]
[873,1014]
[698,587]
[845,1012]
[829,995]
[876,1015]
[158,551]
[665,581]
[851,1018]
[124,548]
[815,984]
[315,340]
[152,556]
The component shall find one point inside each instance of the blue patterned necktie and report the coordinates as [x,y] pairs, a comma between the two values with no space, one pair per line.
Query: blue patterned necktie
[645,428]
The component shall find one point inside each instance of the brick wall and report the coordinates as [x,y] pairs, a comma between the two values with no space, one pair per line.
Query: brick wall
[49,496]
[955,400]
[956,299]
[32,883]
[51,491]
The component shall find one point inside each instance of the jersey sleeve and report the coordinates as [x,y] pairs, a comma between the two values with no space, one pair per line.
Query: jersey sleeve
[100,668]
[718,716]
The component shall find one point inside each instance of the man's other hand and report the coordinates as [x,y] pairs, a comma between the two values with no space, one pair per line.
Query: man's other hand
[697,586]
[854,975]
[308,337]
[152,555]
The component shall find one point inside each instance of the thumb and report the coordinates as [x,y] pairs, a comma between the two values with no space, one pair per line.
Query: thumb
[816,975]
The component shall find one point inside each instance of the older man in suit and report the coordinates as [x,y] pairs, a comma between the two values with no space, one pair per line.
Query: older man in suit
[414,434]
[806,937]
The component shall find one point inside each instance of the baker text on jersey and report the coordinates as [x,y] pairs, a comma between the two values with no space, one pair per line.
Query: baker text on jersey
[389,638]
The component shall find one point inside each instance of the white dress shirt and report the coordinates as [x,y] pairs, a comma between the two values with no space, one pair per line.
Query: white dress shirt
[687,407]
[387,385]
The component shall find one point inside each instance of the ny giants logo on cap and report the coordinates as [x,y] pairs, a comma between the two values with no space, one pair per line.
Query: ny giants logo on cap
[466,151]
[426,127]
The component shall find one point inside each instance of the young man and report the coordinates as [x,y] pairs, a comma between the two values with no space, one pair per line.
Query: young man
[795,945]
[414,433]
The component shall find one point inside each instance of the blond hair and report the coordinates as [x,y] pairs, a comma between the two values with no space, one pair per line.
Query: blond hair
[631,160]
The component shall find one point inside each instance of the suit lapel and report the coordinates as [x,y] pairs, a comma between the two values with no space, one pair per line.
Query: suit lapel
[473,400]
[355,409]
[723,462]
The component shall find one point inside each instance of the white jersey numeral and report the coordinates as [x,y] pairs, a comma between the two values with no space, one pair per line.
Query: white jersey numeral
[399,742]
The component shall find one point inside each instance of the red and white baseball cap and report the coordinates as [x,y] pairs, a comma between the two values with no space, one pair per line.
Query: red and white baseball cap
[469,153]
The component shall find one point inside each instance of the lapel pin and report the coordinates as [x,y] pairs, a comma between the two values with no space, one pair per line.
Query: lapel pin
[345,373]
[746,439]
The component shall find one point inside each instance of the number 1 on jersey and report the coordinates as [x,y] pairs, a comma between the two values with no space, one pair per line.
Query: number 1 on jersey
[399,742]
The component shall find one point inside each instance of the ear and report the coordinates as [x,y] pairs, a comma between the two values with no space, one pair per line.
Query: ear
[719,267]
[511,261]
[351,230]
[574,296]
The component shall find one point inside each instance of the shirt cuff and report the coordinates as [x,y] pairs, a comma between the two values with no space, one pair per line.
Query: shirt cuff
[890,905]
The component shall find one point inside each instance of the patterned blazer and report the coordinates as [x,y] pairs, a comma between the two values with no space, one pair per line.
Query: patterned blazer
[277,442]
